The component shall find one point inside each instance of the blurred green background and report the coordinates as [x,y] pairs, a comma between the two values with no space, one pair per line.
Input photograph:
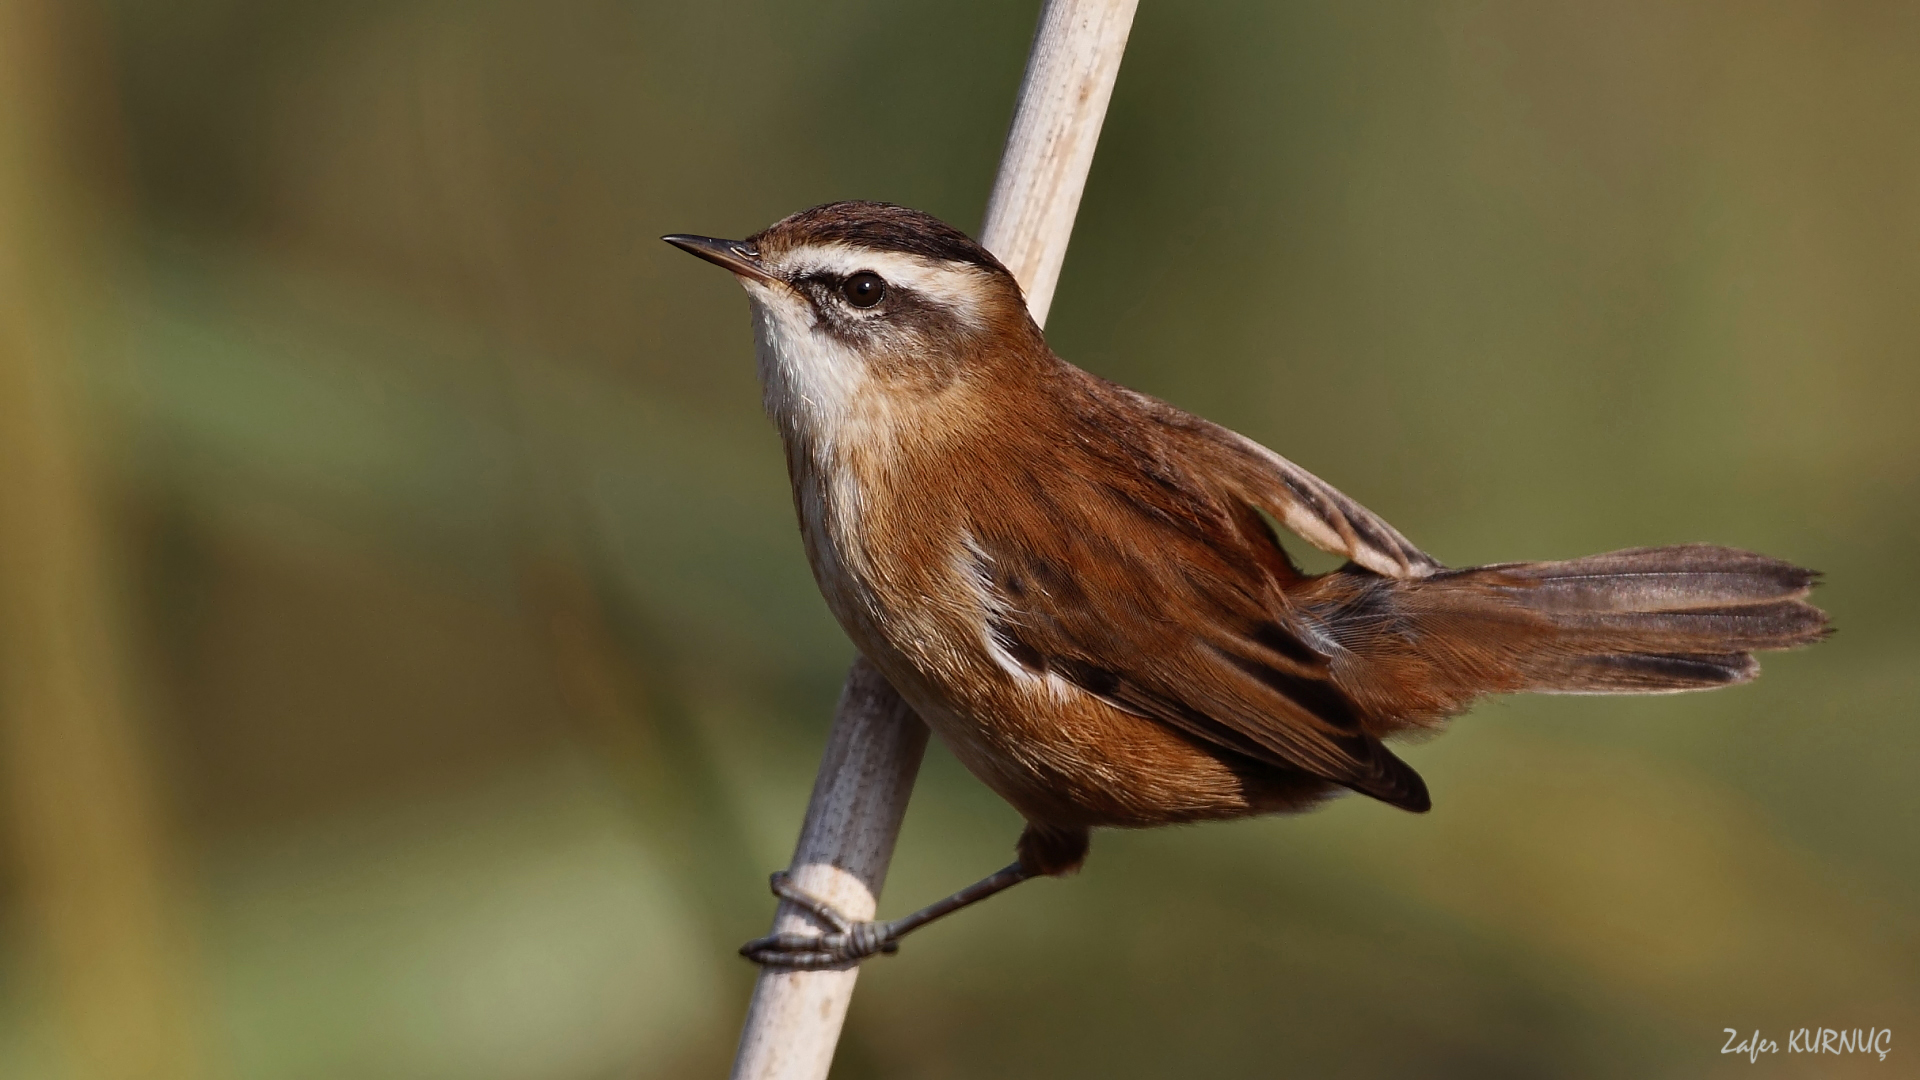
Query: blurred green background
[408,666]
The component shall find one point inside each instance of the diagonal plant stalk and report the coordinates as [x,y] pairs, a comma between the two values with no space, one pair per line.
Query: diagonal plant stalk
[876,743]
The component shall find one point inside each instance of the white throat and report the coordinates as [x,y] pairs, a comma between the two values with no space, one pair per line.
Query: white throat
[811,381]
[817,385]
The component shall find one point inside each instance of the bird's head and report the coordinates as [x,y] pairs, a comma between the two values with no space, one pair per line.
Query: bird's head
[858,299]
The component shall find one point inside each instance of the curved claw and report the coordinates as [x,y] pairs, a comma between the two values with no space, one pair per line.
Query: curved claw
[812,952]
[784,888]
[848,941]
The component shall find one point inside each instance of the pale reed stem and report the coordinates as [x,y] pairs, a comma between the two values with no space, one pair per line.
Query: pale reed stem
[874,749]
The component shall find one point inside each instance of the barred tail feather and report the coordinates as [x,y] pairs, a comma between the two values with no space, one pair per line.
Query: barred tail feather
[1642,621]
[1656,620]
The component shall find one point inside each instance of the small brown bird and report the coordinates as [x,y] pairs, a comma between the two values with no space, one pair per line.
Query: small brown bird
[1079,589]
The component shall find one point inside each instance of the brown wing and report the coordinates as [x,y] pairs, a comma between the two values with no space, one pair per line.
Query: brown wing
[1316,510]
[1308,506]
[1159,590]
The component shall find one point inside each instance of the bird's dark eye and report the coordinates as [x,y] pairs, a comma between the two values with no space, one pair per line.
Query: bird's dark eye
[864,289]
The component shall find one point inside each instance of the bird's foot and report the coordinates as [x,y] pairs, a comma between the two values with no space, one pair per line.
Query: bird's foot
[848,941]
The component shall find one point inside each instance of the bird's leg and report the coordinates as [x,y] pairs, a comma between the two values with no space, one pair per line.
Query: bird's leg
[849,941]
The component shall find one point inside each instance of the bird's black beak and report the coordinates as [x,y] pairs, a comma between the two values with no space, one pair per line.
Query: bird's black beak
[735,255]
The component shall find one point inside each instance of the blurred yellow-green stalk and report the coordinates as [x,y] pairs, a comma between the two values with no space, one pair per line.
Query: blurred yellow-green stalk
[408,668]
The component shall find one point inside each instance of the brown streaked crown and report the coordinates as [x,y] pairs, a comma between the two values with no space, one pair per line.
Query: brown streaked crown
[876,225]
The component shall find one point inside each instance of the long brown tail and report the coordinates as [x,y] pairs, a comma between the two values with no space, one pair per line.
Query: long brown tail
[1642,621]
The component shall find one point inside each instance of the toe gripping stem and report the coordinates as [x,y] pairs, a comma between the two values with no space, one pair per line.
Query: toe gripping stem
[849,941]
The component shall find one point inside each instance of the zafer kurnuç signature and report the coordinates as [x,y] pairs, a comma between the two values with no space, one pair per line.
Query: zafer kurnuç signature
[1813,1041]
